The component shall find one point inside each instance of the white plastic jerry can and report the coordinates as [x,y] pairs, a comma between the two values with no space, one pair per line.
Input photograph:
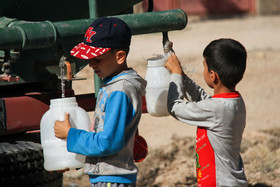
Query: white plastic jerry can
[158,78]
[56,156]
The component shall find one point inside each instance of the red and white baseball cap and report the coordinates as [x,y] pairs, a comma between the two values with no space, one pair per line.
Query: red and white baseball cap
[103,35]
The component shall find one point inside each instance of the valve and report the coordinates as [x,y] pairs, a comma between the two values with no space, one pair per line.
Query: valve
[167,45]
[7,59]
[62,63]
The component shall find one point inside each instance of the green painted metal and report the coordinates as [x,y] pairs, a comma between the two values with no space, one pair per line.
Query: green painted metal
[114,7]
[38,10]
[152,22]
[93,13]
[93,10]
[59,10]
[42,43]
[34,35]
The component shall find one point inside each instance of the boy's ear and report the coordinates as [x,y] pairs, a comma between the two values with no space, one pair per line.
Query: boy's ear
[214,77]
[121,56]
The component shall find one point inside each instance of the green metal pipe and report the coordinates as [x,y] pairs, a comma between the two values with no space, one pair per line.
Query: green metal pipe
[93,13]
[152,22]
[35,35]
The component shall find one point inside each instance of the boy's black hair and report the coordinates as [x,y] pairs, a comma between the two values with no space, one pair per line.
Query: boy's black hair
[126,50]
[227,58]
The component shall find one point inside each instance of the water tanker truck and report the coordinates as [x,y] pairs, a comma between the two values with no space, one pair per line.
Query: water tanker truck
[35,39]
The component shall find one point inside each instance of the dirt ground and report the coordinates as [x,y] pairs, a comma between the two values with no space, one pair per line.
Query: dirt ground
[171,158]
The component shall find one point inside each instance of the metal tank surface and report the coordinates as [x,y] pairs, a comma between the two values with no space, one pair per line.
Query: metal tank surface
[35,41]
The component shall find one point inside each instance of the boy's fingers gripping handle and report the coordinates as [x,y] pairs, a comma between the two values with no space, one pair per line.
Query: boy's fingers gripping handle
[67,117]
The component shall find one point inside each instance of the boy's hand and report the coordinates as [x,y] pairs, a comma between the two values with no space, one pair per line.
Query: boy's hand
[61,128]
[173,64]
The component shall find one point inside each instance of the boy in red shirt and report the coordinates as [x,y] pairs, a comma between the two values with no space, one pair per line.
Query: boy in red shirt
[220,119]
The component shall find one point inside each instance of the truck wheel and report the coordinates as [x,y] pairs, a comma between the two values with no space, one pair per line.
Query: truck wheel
[21,164]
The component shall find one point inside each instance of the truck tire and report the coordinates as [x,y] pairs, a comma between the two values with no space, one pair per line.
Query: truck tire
[21,164]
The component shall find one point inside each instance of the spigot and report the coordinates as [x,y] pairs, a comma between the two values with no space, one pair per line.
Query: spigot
[6,67]
[62,63]
[167,48]
[167,45]
[8,59]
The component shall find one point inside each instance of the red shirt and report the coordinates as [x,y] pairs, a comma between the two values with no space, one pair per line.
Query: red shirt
[205,157]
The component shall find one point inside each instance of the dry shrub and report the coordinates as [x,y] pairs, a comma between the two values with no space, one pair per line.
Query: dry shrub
[262,157]
[171,165]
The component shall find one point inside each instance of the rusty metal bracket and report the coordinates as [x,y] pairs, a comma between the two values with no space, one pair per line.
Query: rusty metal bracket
[8,58]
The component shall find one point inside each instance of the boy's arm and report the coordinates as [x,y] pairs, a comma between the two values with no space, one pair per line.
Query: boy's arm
[119,112]
[192,91]
[192,113]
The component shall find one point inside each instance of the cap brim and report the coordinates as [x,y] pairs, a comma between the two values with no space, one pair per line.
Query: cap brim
[86,52]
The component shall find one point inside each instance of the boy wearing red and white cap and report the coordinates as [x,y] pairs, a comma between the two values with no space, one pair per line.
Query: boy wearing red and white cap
[109,149]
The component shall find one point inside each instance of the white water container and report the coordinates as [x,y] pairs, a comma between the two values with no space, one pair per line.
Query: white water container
[56,156]
[158,78]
